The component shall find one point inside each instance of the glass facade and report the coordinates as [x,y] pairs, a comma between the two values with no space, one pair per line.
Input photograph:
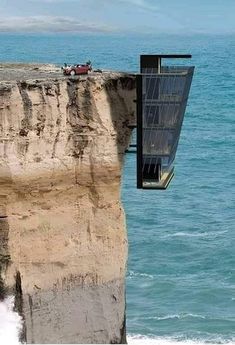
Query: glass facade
[160,113]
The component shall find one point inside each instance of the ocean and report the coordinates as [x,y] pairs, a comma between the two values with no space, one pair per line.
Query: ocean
[181,269]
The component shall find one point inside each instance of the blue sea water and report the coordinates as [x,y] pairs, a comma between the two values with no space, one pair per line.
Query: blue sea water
[181,269]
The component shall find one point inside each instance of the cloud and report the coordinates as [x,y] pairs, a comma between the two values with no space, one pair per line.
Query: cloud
[53,1]
[142,4]
[48,23]
[58,1]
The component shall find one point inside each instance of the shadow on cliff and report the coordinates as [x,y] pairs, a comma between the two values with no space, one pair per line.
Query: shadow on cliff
[123,118]
[122,110]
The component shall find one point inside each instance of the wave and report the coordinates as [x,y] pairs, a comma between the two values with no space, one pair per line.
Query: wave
[10,323]
[148,340]
[175,316]
[138,274]
[195,234]
[184,316]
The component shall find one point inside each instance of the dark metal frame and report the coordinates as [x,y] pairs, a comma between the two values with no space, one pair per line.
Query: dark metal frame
[152,62]
[139,132]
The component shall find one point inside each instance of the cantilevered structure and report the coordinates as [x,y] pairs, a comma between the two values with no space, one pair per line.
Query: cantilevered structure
[162,93]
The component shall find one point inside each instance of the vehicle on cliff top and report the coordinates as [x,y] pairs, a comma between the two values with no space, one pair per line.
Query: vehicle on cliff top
[78,69]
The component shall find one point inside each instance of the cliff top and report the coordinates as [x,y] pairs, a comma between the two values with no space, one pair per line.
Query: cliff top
[31,71]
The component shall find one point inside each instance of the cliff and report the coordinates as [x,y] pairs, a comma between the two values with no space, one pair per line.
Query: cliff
[63,243]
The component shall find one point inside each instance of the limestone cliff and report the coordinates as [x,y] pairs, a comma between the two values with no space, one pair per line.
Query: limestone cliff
[63,244]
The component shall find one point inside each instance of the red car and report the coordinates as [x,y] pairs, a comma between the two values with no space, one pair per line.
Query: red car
[77,69]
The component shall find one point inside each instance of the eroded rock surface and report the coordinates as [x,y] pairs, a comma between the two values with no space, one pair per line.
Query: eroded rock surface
[63,244]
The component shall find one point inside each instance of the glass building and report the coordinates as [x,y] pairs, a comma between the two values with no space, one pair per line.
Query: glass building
[162,94]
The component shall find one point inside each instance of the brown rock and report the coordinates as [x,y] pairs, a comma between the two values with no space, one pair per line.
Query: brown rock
[64,240]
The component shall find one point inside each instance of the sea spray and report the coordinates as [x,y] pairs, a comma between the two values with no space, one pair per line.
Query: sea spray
[10,323]
[145,340]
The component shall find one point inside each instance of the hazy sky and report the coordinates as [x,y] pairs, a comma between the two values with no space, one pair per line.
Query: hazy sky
[169,16]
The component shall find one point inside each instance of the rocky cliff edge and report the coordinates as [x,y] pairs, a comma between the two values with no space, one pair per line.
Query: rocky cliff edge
[63,244]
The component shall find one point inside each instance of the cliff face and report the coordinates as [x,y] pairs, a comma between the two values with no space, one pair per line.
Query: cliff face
[63,244]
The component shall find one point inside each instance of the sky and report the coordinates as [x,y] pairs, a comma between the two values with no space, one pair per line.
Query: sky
[163,16]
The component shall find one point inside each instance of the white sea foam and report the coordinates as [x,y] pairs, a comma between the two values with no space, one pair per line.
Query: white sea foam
[175,316]
[195,234]
[10,323]
[138,274]
[145,340]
